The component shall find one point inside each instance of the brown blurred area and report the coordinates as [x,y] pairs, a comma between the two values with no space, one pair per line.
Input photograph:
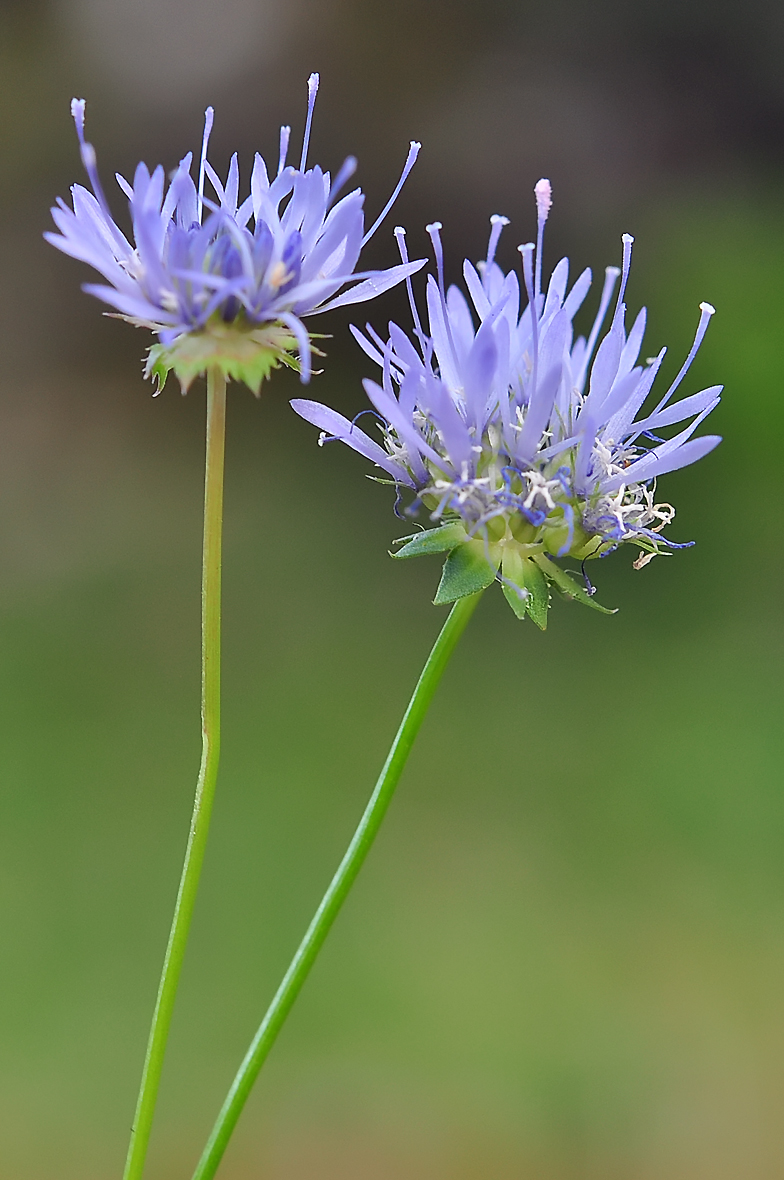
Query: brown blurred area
[564,960]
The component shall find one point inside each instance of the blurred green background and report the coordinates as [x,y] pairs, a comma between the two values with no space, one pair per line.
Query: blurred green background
[565,957]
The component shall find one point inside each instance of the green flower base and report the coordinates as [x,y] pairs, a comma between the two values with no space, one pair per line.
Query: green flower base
[241,354]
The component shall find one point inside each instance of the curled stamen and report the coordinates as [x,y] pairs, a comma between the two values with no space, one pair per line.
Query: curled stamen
[326,437]
[589,587]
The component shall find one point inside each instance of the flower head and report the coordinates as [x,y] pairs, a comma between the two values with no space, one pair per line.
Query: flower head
[523,443]
[226,282]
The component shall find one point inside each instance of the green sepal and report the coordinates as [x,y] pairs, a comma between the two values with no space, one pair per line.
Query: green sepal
[241,354]
[567,585]
[156,367]
[440,540]
[527,577]
[466,571]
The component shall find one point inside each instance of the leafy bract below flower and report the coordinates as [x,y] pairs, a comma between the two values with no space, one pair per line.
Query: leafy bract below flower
[524,444]
[214,290]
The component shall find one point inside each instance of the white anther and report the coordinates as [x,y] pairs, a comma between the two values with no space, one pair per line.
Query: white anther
[544,198]
[77,113]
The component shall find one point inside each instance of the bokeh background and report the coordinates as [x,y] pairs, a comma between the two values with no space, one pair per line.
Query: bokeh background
[565,957]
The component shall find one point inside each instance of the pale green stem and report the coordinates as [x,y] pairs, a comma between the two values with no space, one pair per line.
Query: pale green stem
[338,889]
[205,786]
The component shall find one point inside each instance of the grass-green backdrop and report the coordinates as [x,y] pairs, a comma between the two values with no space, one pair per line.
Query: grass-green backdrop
[565,957]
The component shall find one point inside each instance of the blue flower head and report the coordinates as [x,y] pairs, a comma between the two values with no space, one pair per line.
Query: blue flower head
[524,444]
[226,282]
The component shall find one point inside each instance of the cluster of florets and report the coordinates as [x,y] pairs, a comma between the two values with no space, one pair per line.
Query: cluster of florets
[226,282]
[523,443]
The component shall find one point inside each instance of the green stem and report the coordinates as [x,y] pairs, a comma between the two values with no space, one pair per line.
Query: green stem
[205,786]
[338,889]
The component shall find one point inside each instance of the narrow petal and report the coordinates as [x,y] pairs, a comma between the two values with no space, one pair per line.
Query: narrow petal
[370,288]
[341,428]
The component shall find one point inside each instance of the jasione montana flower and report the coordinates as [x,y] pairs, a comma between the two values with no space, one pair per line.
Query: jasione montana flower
[524,444]
[215,290]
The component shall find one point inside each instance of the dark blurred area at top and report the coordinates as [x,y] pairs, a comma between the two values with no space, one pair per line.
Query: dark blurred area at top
[618,96]
[620,104]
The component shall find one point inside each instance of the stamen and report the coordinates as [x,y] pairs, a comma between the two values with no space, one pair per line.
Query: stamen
[590,589]
[544,202]
[610,276]
[285,135]
[387,369]
[326,437]
[347,170]
[413,152]
[627,240]
[313,85]
[434,230]
[87,153]
[544,198]
[400,238]
[528,278]
[706,311]
[209,115]
[497,223]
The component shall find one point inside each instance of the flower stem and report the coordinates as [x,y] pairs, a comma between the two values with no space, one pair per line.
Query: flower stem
[205,786]
[338,889]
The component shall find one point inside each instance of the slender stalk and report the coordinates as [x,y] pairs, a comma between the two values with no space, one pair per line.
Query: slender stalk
[338,889]
[205,785]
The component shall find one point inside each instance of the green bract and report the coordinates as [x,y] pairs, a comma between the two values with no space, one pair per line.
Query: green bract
[240,354]
[523,568]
